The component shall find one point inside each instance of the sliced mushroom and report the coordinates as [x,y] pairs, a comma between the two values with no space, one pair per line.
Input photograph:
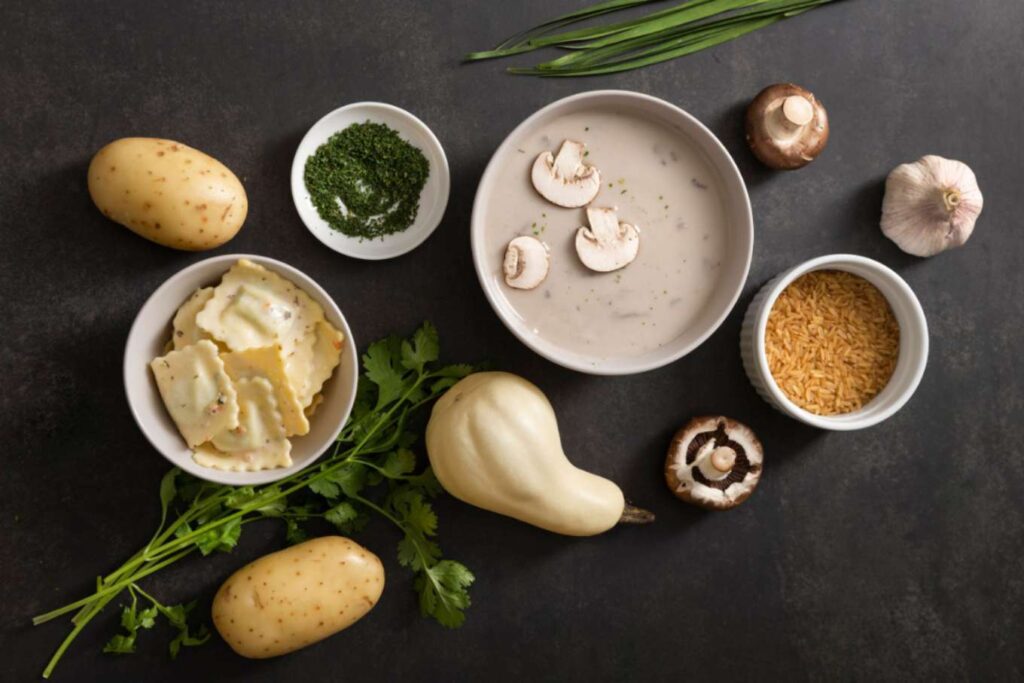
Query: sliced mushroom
[787,127]
[607,244]
[526,262]
[714,462]
[564,179]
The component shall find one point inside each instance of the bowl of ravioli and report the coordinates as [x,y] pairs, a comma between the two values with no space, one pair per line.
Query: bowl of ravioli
[240,369]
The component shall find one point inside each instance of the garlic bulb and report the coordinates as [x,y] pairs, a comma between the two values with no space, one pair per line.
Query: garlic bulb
[930,205]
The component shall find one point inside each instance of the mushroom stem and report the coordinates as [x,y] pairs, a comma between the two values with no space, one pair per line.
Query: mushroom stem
[723,459]
[634,515]
[797,111]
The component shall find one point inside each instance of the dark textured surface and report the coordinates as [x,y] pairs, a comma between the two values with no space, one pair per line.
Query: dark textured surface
[888,554]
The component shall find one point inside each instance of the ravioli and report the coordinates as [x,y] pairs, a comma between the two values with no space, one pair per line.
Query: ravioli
[268,363]
[298,364]
[259,441]
[245,368]
[326,356]
[185,330]
[197,391]
[313,405]
[208,455]
[254,307]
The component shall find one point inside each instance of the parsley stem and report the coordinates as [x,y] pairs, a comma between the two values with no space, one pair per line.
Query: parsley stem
[419,551]
[79,625]
[111,590]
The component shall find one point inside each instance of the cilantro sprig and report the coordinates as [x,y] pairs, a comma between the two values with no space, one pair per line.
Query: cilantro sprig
[370,471]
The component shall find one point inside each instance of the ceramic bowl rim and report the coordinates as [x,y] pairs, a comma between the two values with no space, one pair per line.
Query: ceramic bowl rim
[159,299]
[402,240]
[917,357]
[723,164]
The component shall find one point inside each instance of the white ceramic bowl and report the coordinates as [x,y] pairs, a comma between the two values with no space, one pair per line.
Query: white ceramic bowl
[913,342]
[433,198]
[152,329]
[735,266]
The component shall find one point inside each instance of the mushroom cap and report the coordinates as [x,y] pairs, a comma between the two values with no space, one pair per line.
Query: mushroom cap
[526,262]
[564,180]
[709,445]
[607,244]
[787,127]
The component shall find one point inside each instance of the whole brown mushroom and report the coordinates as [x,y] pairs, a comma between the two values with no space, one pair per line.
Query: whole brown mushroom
[714,462]
[787,127]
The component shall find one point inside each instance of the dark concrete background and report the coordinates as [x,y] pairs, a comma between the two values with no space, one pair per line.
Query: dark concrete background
[888,554]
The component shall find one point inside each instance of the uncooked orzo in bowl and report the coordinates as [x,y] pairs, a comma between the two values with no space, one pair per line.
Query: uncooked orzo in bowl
[832,342]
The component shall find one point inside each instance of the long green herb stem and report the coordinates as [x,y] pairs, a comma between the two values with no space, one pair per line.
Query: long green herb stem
[655,37]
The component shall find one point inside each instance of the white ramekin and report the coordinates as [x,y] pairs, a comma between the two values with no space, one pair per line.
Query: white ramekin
[152,329]
[913,342]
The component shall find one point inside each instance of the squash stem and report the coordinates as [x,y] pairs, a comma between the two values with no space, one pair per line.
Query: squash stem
[634,515]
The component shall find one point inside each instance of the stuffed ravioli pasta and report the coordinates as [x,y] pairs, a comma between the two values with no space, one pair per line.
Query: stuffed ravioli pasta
[250,358]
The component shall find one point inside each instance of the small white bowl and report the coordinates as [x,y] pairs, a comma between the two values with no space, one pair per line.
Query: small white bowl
[740,221]
[152,329]
[433,198]
[913,343]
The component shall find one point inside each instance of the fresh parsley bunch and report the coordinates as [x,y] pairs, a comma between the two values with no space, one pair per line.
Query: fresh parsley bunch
[371,470]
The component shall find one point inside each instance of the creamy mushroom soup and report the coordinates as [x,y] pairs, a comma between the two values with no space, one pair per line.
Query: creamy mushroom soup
[661,183]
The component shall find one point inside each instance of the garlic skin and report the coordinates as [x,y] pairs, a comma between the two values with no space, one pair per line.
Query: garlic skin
[930,205]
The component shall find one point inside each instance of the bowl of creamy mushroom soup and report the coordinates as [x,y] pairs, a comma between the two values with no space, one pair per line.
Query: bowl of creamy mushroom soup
[612,232]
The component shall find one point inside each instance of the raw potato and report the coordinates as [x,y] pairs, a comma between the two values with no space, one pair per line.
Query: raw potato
[287,600]
[168,192]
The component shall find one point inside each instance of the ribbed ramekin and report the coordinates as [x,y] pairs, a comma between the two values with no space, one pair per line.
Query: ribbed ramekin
[913,342]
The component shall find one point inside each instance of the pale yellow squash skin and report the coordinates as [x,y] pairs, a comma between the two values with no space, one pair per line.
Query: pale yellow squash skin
[168,192]
[493,442]
[287,600]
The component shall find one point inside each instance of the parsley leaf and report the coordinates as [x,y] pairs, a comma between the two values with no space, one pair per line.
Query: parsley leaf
[341,514]
[223,538]
[380,363]
[132,620]
[398,463]
[293,532]
[443,592]
[422,349]
[120,645]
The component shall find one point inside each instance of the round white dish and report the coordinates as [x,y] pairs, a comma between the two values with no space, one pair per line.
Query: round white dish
[913,342]
[150,332]
[433,198]
[738,219]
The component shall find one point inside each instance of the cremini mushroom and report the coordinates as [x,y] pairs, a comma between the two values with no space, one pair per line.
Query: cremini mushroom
[787,127]
[714,462]
[607,244]
[564,179]
[526,262]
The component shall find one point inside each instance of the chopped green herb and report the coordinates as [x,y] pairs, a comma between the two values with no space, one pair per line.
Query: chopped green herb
[365,181]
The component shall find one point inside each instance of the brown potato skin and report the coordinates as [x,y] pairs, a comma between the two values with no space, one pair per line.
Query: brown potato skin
[167,192]
[287,600]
